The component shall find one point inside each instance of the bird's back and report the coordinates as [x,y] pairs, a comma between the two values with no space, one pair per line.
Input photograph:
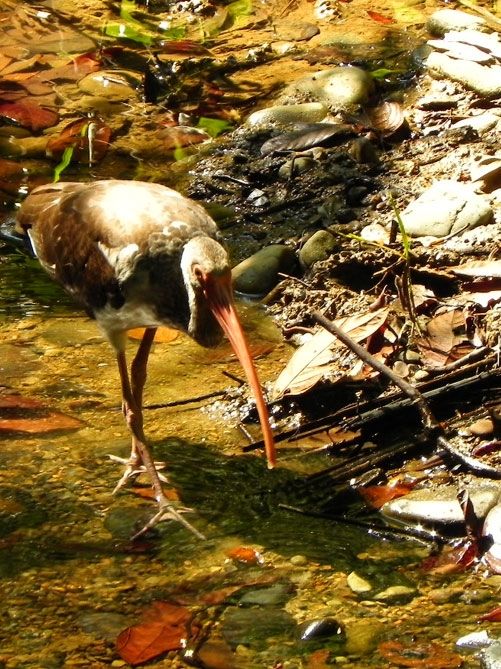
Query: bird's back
[115,242]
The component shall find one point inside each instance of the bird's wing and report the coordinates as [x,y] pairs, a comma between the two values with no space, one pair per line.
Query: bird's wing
[66,239]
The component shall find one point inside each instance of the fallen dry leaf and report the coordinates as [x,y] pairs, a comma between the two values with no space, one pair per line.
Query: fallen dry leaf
[163,627]
[377,495]
[319,356]
[52,423]
[479,268]
[493,616]
[163,335]
[29,115]
[246,555]
[30,416]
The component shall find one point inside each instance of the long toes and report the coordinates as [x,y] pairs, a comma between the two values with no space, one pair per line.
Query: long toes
[168,512]
[132,470]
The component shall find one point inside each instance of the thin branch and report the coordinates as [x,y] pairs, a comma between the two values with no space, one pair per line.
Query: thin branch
[411,391]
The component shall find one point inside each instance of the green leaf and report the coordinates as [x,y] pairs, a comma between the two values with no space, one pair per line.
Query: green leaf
[240,8]
[381,73]
[65,161]
[127,31]
[129,27]
[179,153]
[213,126]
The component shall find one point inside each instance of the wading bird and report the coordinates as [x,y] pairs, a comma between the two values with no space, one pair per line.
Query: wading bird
[136,254]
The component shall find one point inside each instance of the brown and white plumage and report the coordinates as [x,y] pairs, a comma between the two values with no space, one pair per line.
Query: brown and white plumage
[136,254]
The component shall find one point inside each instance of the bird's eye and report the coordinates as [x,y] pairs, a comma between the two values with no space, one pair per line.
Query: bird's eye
[198,274]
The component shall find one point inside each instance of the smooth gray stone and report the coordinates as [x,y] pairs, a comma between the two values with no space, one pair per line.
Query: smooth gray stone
[439,505]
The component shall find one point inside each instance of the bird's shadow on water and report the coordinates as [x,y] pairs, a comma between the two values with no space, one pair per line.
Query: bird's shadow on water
[231,497]
[239,497]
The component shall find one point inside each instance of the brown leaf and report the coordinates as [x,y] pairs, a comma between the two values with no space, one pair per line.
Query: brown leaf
[163,335]
[163,627]
[216,654]
[219,596]
[479,268]
[452,559]
[334,436]
[28,115]
[29,415]
[445,333]
[319,356]
[51,423]
[90,140]
[19,402]
[319,659]
[149,493]
[377,495]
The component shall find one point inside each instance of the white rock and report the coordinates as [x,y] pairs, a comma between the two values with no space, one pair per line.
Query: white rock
[444,20]
[446,207]
[485,80]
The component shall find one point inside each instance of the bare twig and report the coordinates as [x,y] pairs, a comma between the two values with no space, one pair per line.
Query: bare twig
[411,391]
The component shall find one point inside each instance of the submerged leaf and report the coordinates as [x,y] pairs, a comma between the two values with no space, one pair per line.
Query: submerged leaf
[28,115]
[163,627]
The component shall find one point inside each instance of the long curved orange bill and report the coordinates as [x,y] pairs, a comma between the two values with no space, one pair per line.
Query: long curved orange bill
[219,295]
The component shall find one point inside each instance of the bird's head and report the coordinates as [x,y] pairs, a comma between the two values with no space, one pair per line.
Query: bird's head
[207,276]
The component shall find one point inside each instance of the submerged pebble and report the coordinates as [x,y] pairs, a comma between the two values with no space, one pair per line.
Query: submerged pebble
[338,88]
[321,628]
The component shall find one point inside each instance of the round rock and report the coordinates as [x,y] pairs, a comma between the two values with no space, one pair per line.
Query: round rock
[318,247]
[308,112]
[338,88]
[259,274]
[439,505]
[114,85]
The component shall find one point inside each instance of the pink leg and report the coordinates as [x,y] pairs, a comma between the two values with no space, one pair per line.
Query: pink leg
[132,394]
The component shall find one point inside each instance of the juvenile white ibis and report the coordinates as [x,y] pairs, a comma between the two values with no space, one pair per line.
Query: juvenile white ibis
[137,254]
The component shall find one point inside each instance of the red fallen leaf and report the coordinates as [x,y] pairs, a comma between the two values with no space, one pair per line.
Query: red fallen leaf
[19,402]
[50,423]
[31,421]
[76,134]
[163,627]
[427,656]
[377,495]
[379,18]
[11,176]
[453,559]
[493,616]
[29,115]
[246,555]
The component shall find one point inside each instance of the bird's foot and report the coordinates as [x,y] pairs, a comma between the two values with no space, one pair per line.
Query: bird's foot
[133,468]
[167,512]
